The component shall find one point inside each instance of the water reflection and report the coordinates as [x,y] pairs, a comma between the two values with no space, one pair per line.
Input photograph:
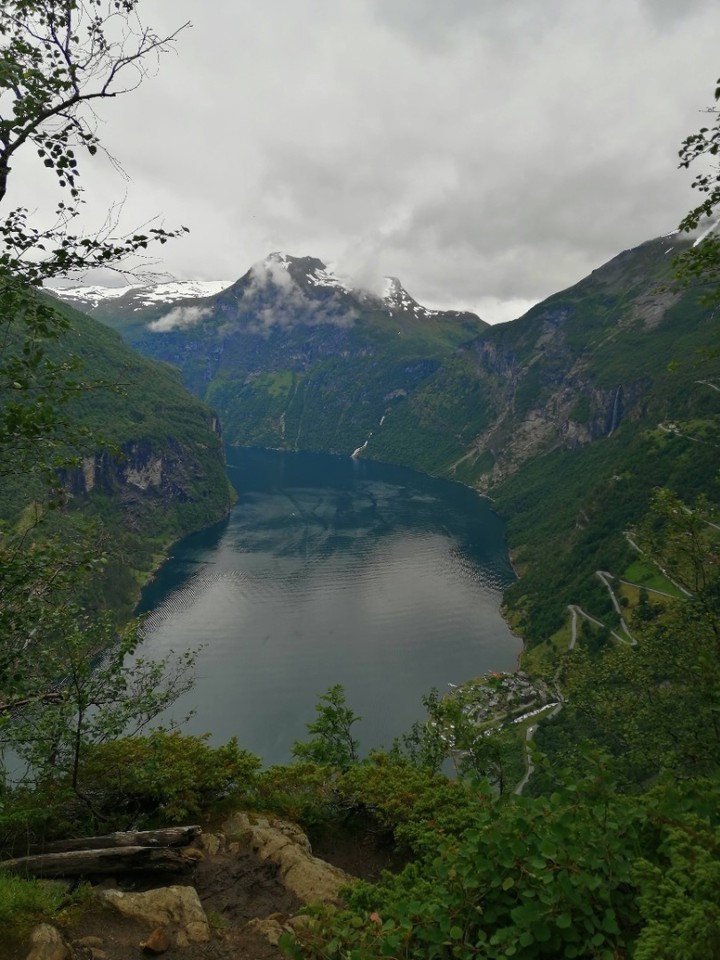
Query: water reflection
[331,571]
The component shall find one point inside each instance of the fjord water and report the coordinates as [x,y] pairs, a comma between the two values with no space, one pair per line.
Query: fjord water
[331,570]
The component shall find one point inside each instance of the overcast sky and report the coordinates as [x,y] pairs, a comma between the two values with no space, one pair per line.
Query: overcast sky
[487,152]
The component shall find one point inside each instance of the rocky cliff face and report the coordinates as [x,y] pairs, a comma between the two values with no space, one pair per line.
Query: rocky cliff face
[142,477]
[551,399]
[583,363]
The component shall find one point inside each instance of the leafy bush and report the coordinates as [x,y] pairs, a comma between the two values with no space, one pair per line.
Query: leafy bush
[416,806]
[680,896]
[304,792]
[166,777]
[529,878]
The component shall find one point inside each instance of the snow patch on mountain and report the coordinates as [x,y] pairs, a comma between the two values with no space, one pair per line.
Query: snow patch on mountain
[184,290]
[325,278]
[397,298]
[706,233]
[144,294]
[94,295]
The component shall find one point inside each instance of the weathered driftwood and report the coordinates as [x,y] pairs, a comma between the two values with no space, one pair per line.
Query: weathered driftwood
[114,860]
[166,837]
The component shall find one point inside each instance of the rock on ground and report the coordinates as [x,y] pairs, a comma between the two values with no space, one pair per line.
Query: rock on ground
[176,907]
[47,944]
[286,845]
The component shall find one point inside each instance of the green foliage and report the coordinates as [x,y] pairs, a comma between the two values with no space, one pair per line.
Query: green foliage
[679,898]
[653,706]
[69,680]
[416,806]
[412,806]
[166,777]
[332,743]
[544,878]
[56,60]
[700,265]
[303,791]
[425,745]
[24,903]
[450,733]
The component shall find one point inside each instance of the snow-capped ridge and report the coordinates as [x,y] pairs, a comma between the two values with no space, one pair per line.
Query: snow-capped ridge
[315,273]
[396,297]
[300,274]
[144,294]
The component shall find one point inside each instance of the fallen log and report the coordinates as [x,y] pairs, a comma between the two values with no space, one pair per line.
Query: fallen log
[89,863]
[165,837]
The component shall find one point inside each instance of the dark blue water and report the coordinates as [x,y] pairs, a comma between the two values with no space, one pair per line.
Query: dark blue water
[331,570]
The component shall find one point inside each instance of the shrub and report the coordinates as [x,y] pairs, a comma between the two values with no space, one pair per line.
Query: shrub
[166,777]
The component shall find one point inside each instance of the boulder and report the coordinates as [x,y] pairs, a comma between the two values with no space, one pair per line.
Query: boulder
[272,928]
[210,843]
[175,908]
[47,944]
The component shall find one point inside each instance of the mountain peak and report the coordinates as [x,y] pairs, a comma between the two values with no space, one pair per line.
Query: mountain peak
[305,277]
[312,274]
[396,298]
[277,257]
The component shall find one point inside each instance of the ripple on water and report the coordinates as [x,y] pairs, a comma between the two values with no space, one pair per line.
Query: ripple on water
[383,580]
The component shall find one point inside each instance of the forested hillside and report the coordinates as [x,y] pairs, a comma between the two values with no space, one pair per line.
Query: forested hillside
[145,464]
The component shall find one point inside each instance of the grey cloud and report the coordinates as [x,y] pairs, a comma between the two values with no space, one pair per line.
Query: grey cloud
[668,12]
[431,24]
[483,152]
[294,307]
[179,318]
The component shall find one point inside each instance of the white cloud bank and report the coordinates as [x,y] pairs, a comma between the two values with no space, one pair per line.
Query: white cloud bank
[485,153]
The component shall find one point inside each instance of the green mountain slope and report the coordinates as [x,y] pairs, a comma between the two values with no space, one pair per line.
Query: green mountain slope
[292,358]
[149,463]
[611,391]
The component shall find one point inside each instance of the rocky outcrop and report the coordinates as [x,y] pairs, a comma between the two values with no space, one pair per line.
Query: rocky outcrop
[139,467]
[250,878]
[286,845]
[144,476]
